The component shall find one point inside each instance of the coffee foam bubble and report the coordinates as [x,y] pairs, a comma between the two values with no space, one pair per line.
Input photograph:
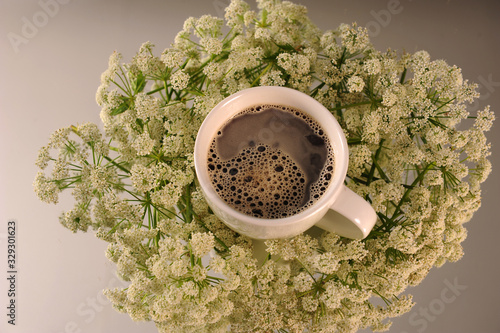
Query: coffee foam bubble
[273,178]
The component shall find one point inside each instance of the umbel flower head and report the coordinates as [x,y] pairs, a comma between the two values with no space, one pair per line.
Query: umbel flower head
[135,187]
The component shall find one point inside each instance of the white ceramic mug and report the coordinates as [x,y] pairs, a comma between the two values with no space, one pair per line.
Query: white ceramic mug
[338,210]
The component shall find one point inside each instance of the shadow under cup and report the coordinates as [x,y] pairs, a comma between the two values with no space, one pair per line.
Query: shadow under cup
[262,228]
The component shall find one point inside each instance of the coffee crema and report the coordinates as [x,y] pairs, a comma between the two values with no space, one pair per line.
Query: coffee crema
[270,161]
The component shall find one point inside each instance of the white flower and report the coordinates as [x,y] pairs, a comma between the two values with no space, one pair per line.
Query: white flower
[389,98]
[167,196]
[372,66]
[403,238]
[178,268]
[326,263]
[458,138]
[126,265]
[333,295]
[189,24]
[146,62]
[147,107]
[90,133]
[303,282]
[355,84]
[484,119]
[232,282]
[173,58]
[59,138]
[170,248]
[76,219]
[199,273]
[309,303]
[272,78]
[179,80]
[214,71]
[45,188]
[100,177]
[43,157]
[113,67]
[241,43]
[419,205]
[482,170]
[263,34]
[247,58]
[354,38]
[358,156]
[202,243]
[420,60]
[143,178]
[208,25]
[295,64]
[462,189]
[371,127]
[217,264]
[235,12]
[434,178]
[211,45]
[476,146]
[143,144]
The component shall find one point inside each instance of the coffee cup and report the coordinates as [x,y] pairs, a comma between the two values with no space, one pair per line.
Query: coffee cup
[271,163]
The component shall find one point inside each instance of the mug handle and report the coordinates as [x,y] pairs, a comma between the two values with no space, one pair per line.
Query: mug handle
[349,216]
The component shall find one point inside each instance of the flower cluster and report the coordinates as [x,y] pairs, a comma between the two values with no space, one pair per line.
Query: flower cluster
[134,183]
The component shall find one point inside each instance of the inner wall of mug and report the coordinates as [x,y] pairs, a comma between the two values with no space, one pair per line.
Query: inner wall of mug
[240,101]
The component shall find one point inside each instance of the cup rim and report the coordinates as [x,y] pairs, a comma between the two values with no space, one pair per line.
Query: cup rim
[237,102]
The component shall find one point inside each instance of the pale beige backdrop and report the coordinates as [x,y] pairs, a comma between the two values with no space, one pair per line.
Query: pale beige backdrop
[48,78]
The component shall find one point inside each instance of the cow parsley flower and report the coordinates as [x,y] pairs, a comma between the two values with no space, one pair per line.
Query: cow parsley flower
[235,12]
[202,243]
[46,189]
[143,144]
[147,107]
[484,119]
[295,64]
[412,156]
[211,45]
[179,80]
[355,84]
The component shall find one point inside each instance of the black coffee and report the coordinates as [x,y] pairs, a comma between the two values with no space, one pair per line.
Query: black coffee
[270,161]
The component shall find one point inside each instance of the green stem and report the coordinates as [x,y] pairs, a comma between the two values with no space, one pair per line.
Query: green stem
[374,166]
[350,105]
[417,180]
[403,76]
[268,67]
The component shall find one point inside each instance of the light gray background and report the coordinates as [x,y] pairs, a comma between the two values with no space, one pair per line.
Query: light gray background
[50,82]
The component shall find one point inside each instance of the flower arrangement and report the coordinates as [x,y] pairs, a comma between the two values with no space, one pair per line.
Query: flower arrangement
[135,185]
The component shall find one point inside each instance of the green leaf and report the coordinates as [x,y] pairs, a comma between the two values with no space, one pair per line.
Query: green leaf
[138,83]
[286,47]
[120,109]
